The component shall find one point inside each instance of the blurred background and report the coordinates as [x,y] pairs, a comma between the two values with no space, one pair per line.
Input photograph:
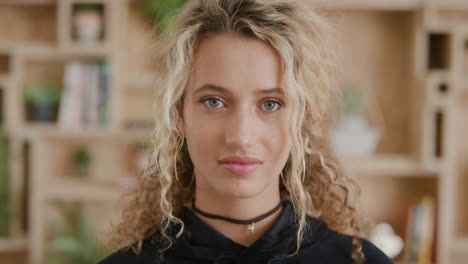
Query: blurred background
[76,87]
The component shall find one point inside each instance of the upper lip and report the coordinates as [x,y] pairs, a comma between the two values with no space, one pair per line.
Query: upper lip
[239,159]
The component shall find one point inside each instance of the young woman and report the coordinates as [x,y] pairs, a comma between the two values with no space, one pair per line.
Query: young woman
[241,171]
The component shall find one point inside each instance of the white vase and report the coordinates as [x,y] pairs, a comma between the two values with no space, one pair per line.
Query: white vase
[384,237]
[88,26]
[354,137]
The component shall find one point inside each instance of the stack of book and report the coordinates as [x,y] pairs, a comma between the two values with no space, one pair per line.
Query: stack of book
[421,232]
[84,101]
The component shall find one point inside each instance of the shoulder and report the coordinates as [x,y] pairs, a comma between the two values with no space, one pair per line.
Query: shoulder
[128,256]
[373,254]
[335,245]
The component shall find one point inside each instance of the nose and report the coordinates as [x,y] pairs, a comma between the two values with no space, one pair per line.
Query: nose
[240,128]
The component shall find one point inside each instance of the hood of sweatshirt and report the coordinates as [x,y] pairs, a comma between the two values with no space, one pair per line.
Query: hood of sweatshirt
[201,243]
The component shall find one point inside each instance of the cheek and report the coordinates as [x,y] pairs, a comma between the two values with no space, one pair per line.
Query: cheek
[280,147]
[278,134]
[202,136]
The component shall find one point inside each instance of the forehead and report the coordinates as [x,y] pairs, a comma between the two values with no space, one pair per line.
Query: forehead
[235,62]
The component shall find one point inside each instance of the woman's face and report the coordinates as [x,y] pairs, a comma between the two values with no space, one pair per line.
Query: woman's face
[234,107]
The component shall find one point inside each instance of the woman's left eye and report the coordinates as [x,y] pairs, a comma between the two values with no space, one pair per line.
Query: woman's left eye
[271,105]
[212,102]
[216,103]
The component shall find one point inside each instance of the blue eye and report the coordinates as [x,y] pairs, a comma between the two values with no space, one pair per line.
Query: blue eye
[271,105]
[213,102]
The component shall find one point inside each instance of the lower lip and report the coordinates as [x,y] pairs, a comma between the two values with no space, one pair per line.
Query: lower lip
[240,168]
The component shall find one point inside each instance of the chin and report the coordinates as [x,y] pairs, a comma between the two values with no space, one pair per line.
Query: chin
[241,189]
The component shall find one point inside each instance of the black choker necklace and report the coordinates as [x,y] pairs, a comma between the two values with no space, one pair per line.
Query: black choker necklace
[250,222]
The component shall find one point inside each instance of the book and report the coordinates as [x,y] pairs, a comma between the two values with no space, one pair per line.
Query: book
[85,96]
[420,231]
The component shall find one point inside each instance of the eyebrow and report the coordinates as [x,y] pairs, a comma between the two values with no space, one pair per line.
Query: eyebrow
[212,87]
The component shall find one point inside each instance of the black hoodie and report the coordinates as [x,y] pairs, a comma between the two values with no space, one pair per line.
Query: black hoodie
[203,244]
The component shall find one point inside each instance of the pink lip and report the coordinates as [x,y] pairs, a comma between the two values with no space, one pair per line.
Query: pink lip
[240,165]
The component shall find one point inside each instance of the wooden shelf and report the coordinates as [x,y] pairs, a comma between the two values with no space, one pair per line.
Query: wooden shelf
[451,4]
[65,28]
[52,52]
[53,131]
[460,246]
[73,189]
[387,165]
[28,2]
[14,244]
[96,50]
[142,81]
[366,4]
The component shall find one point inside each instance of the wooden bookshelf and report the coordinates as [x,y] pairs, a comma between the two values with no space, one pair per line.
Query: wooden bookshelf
[410,53]
[387,165]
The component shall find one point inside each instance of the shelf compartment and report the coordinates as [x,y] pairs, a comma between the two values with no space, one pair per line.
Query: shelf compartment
[83,86]
[378,58]
[40,73]
[58,219]
[388,204]
[77,12]
[439,51]
[387,199]
[4,64]
[32,23]
[137,109]
[110,163]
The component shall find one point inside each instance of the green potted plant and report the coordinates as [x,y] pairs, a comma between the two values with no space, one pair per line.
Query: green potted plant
[88,22]
[163,12]
[75,241]
[42,100]
[82,159]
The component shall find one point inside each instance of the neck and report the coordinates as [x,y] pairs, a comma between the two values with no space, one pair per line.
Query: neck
[241,209]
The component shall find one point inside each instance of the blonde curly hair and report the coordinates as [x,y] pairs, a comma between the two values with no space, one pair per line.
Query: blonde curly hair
[311,179]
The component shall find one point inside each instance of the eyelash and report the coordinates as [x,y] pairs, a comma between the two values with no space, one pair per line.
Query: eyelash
[205,99]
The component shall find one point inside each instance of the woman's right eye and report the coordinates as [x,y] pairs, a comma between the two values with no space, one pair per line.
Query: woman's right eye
[213,102]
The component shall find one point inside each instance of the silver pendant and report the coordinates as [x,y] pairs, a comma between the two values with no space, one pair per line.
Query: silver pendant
[251,228]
